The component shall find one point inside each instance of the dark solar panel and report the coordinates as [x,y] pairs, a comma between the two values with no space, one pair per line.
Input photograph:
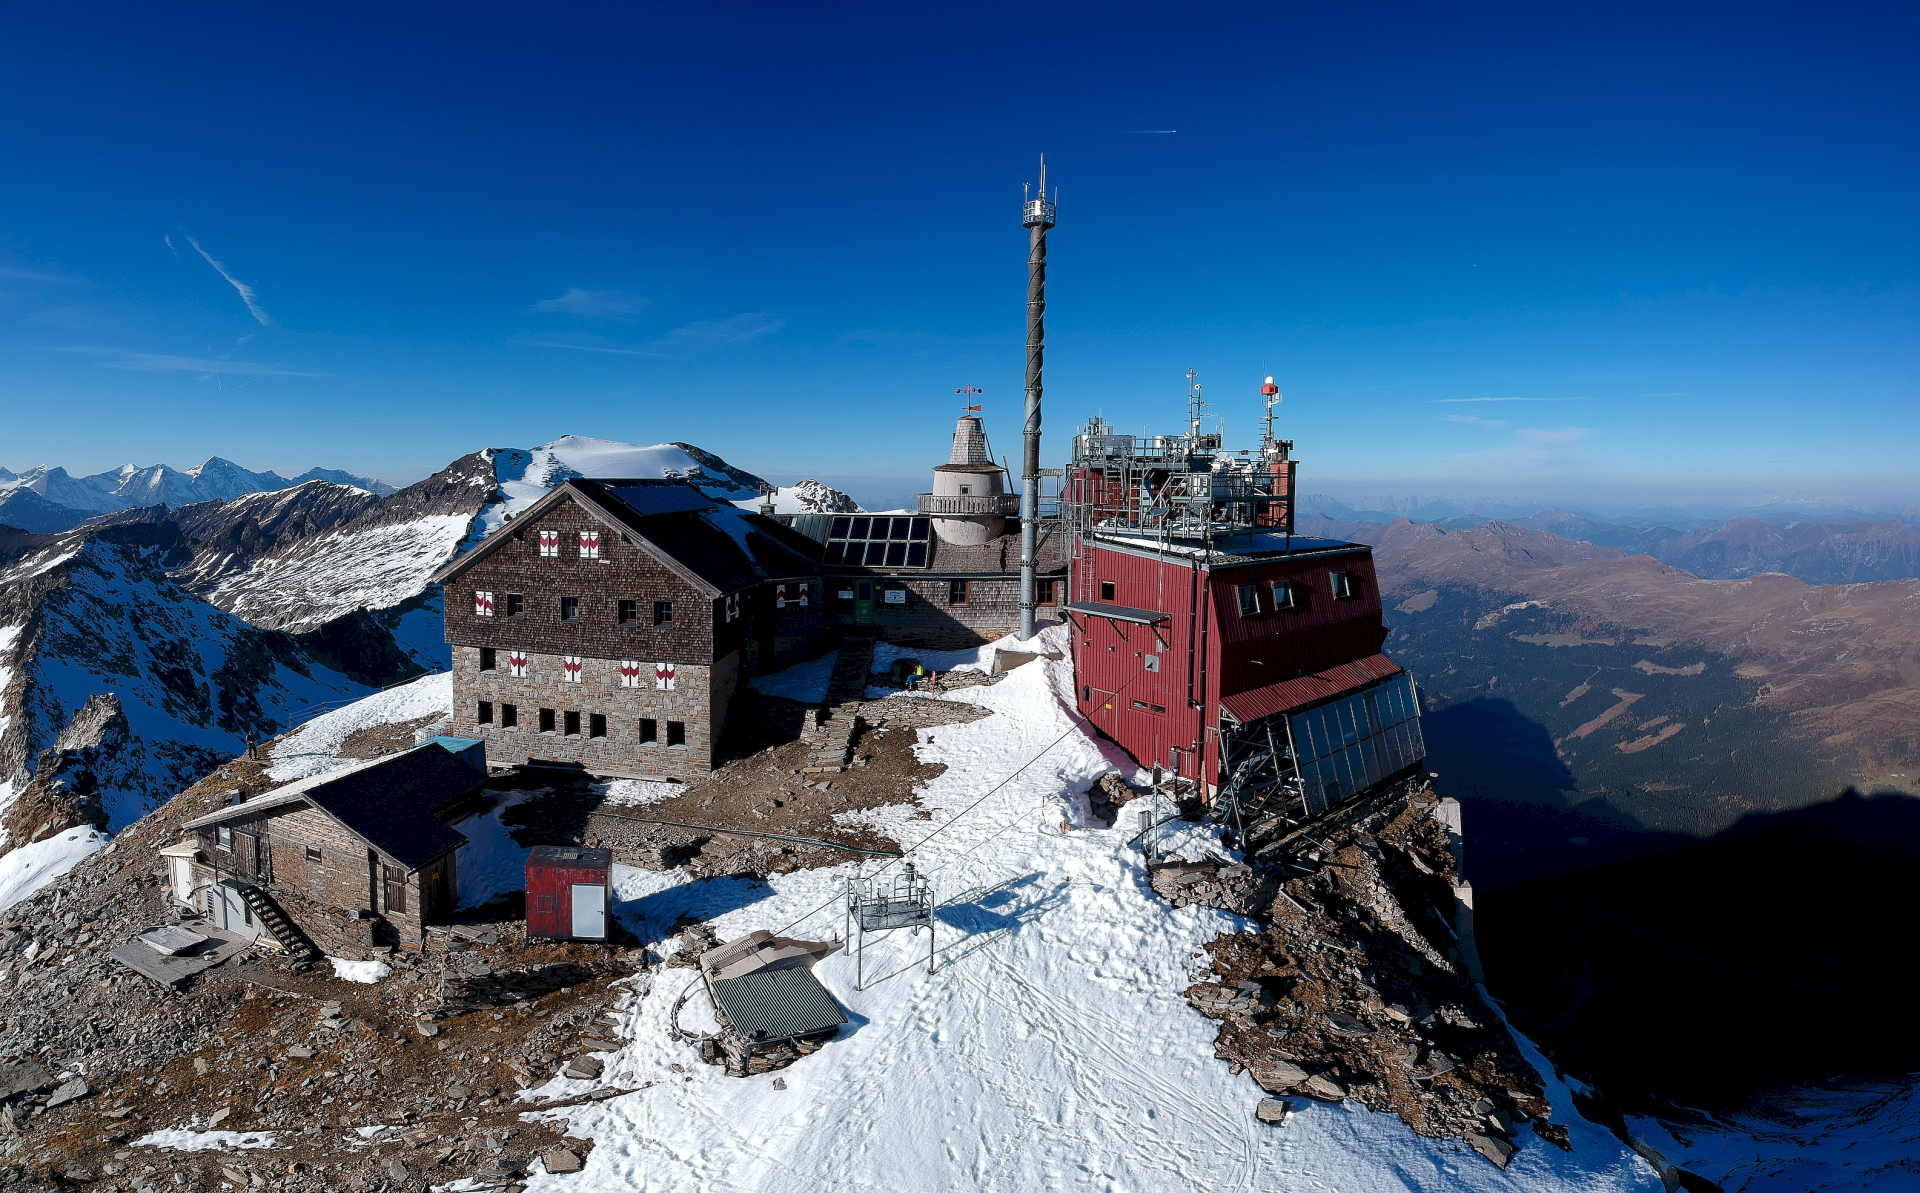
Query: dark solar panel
[660,499]
[879,541]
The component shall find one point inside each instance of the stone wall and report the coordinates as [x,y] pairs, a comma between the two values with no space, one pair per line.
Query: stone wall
[698,701]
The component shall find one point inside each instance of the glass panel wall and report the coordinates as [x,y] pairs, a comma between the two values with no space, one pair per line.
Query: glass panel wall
[1348,745]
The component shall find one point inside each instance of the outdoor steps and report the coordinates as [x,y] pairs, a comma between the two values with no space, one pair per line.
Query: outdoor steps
[832,742]
[284,930]
[850,672]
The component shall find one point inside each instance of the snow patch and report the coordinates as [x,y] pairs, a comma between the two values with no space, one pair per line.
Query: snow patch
[315,747]
[803,682]
[637,793]
[365,972]
[33,865]
[180,1139]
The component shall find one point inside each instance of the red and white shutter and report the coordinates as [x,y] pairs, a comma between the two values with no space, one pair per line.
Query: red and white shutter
[803,596]
[779,596]
[733,606]
[549,542]
[570,668]
[589,544]
[629,673]
[663,677]
[517,663]
[482,604]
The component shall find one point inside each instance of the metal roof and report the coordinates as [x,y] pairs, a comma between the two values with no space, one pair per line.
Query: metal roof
[1290,695]
[670,497]
[777,1004]
[1116,612]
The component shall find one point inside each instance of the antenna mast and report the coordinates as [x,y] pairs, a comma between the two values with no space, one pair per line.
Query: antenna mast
[1037,214]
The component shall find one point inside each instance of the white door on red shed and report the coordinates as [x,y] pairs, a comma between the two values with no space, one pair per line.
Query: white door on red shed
[590,910]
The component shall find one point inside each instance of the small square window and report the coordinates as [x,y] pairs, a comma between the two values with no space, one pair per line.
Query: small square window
[629,612]
[547,720]
[649,730]
[676,733]
[489,661]
[965,490]
[1346,586]
[1249,597]
[957,592]
[1046,592]
[223,837]
[597,725]
[573,723]
[662,612]
[313,854]
[484,714]
[1106,590]
[516,604]
[569,608]
[1283,595]
[509,716]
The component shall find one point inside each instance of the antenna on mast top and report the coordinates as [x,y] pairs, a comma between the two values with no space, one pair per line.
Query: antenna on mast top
[1271,392]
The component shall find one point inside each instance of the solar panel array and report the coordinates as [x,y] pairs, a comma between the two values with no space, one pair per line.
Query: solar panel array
[878,540]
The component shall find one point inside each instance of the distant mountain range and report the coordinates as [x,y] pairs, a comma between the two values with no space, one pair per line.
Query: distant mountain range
[46,500]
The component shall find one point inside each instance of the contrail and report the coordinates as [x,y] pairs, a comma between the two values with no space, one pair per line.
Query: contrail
[246,291]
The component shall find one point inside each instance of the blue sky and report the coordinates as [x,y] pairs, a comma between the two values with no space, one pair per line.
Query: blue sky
[1599,253]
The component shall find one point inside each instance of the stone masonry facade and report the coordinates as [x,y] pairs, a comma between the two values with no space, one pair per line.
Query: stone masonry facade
[637,729]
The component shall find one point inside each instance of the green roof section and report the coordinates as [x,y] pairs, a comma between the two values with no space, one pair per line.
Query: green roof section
[777,1004]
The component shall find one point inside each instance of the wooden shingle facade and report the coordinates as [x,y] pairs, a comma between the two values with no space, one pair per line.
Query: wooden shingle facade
[609,626]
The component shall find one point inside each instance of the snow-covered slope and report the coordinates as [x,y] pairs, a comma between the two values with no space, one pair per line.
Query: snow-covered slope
[1052,1048]
[92,612]
[381,558]
[807,497]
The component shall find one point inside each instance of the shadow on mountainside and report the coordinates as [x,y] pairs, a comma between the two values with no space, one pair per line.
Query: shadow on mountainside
[1521,803]
[1772,953]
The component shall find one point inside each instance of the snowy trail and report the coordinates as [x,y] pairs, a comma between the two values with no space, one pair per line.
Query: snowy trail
[1052,1048]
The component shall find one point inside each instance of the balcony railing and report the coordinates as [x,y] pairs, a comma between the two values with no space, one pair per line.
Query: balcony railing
[1001,504]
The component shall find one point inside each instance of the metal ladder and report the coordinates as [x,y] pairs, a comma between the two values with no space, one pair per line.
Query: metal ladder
[284,930]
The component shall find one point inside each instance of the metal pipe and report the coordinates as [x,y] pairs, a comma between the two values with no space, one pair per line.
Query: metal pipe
[1037,214]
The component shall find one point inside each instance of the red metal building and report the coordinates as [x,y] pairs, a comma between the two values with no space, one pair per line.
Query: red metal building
[569,892]
[1211,640]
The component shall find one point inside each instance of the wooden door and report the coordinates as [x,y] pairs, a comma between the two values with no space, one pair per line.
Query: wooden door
[246,853]
[863,603]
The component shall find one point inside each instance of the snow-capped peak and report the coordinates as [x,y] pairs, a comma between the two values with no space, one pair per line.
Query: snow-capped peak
[807,497]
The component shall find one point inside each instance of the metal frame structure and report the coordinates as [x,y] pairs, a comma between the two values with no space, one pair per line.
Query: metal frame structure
[906,902]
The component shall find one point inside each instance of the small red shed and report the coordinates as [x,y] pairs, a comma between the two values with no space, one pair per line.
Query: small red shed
[569,892]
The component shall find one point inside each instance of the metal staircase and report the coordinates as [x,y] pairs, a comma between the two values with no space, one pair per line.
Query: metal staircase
[291,938]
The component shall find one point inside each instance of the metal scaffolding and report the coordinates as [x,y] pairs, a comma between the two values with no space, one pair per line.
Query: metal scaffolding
[905,902]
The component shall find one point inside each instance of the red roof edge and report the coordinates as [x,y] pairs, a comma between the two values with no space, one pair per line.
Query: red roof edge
[1291,694]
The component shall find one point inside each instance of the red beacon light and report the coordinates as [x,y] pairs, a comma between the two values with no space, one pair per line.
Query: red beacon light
[1269,389]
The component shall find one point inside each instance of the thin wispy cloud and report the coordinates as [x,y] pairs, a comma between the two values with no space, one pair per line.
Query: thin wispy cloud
[1475,419]
[710,335]
[32,275]
[1533,450]
[154,362]
[594,304]
[1510,399]
[246,292]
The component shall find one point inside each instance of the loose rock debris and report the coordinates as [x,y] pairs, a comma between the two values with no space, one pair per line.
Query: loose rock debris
[1352,984]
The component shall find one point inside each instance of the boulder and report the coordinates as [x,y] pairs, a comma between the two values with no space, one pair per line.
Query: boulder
[71,1091]
[1324,1089]
[560,1160]
[1492,1147]
[1278,1076]
[1272,1111]
[28,1078]
[585,1068]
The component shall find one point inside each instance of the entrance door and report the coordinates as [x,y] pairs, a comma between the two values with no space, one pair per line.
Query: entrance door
[589,911]
[863,603]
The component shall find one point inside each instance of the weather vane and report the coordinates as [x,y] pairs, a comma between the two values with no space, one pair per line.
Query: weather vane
[967,391]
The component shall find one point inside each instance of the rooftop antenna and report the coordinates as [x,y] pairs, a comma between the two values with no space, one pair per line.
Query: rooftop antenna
[1271,393]
[1037,216]
[1194,406]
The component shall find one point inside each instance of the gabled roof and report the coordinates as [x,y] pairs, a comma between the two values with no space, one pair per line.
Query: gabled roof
[387,802]
[715,547]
